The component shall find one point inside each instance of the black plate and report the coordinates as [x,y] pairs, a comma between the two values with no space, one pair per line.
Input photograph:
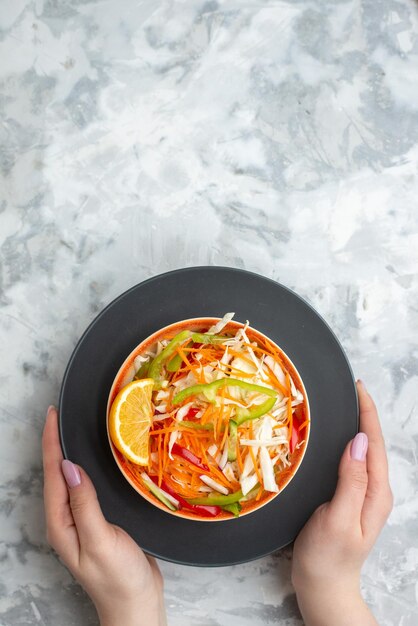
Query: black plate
[209,291]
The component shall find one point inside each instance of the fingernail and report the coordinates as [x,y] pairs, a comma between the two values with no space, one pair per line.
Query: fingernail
[71,473]
[50,408]
[360,382]
[359,446]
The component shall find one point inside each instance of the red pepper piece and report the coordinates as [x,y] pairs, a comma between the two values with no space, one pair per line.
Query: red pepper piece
[298,418]
[199,509]
[184,453]
[191,413]
[204,511]
[294,440]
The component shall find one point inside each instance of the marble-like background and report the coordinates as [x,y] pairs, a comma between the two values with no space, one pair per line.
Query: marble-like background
[142,136]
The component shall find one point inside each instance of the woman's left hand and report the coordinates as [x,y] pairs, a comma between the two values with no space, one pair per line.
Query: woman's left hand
[125,585]
[331,548]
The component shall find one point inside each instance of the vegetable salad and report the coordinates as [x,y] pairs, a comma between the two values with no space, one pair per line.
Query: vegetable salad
[229,416]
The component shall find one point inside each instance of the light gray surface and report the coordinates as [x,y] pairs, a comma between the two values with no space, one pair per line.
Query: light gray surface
[139,137]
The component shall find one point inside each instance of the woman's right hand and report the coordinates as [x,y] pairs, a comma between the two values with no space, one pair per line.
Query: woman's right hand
[332,547]
[125,585]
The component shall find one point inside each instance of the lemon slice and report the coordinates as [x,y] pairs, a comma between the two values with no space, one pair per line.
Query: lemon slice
[130,419]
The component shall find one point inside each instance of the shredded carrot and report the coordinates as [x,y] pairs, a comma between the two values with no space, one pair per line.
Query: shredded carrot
[191,468]
[203,453]
[305,423]
[181,488]
[242,356]
[207,413]
[269,350]
[289,386]
[166,440]
[226,427]
[258,348]
[275,381]
[187,442]
[220,477]
[194,444]
[185,359]
[197,434]
[215,417]
[176,375]
[225,435]
[259,492]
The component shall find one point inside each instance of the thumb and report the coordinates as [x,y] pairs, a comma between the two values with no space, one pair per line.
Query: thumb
[85,508]
[348,499]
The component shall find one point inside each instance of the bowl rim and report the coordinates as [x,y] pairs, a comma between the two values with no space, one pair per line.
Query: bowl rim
[146,494]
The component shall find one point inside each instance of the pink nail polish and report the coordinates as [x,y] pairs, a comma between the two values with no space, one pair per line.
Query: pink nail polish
[71,473]
[358,449]
[362,384]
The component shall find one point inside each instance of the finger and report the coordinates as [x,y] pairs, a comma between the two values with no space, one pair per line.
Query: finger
[92,528]
[61,532]
[347,503]
[378,501]
[369,423]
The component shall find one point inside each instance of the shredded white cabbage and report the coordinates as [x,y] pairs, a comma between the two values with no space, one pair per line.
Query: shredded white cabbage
[215,485]
[247,483]
[229,472]
[276,369]
[161,395]
[169,497]
[183,410]
[173,438]
[216,328]
[139,360]
[224,457]
[213,450]
[267,470]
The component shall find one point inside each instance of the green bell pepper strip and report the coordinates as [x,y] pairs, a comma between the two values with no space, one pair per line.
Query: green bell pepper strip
[174,364]
[210,389]
[243,415]
[221,500]
[156,491]
[204,338]
[218,500]
[234,508]
[232,441]
[157,364]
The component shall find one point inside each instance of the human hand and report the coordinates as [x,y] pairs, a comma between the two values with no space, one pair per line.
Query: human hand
[329,552]
[125,585]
